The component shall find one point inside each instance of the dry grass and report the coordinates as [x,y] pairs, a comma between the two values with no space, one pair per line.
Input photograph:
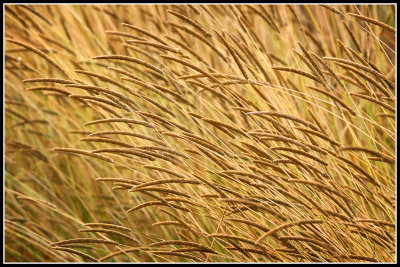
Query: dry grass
[200,133]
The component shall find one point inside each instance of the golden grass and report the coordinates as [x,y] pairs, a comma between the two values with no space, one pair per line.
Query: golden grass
[200,133]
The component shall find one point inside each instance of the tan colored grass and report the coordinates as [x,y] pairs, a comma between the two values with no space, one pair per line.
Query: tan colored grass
[48,88]
[108,231]
[191,22]
[286,225]
[138,135]
[374,21]
[131,151]
[109,225]
[144,32]
[73,251]
[40,53]
[198,36]
[131,59]
[270,130]
[84,241]
[47,80]
[380,103]
[167,181]
[180,242]
[333,9]
[83,152]
[156,203]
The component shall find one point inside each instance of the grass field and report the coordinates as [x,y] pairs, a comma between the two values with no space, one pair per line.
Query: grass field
[200,133]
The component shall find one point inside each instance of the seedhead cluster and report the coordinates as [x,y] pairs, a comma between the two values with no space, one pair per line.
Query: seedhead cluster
[200,133]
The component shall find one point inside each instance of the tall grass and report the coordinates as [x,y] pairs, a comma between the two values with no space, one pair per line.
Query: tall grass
[211,133]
